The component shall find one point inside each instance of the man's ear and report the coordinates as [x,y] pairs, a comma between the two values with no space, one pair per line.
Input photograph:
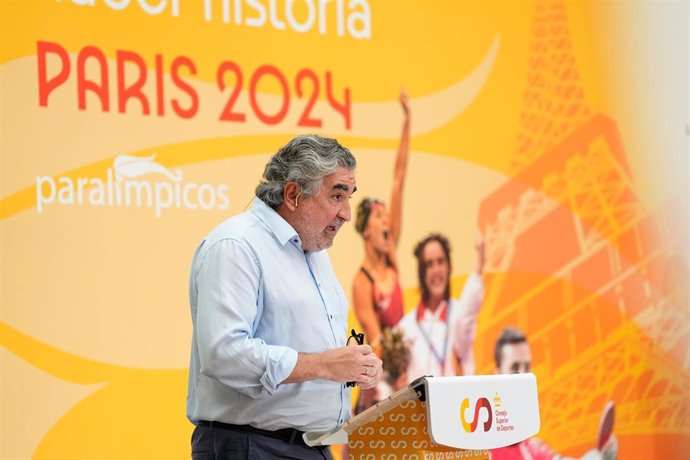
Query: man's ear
[291,195]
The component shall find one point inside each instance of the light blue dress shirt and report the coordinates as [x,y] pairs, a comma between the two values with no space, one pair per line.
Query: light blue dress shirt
[256,300]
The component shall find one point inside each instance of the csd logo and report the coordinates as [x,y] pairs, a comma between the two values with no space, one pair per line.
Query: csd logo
[482,403]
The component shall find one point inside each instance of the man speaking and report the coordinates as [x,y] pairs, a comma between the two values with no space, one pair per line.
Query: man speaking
[268,358]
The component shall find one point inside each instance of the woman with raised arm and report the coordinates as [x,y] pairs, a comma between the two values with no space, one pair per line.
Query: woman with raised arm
[376,292]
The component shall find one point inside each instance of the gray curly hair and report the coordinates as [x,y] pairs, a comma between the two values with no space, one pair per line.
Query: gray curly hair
[306,160]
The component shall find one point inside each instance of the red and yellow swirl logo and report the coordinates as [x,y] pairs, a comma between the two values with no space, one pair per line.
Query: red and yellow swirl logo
[482,403]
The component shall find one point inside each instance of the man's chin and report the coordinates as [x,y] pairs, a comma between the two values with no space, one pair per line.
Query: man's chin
[327,244]
[321,245]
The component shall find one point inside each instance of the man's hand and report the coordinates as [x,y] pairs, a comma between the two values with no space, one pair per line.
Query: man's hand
[354,364]
[346,364]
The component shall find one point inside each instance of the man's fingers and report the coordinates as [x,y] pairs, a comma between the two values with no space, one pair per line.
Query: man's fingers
[372,360]
[370,374]
[364,349]
[366,382]
[360,364]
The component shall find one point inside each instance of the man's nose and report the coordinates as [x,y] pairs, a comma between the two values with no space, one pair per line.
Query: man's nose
[345,213]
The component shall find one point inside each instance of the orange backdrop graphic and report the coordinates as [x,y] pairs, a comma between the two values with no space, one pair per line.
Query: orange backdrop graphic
[558,130]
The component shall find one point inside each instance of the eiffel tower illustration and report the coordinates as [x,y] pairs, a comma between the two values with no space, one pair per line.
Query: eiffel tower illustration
[582,267]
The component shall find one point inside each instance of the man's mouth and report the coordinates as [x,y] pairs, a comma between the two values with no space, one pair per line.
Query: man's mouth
[333,228]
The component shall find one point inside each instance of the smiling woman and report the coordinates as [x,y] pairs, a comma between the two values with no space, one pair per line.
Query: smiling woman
[441,330]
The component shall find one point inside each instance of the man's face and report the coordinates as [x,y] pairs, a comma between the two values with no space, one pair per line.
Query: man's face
[319,217]
[516,358]
[437,270]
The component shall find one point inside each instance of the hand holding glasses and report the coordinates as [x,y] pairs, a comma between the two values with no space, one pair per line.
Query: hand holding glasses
[359,339]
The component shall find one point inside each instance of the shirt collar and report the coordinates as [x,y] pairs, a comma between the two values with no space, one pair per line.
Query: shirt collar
[441,311]
[282,230]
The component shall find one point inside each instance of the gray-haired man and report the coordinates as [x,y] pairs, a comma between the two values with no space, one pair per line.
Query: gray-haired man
[269,358]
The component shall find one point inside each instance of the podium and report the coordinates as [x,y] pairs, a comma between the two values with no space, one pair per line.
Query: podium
[441,418]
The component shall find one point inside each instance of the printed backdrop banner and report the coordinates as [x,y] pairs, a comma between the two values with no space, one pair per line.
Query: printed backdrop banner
[129,128]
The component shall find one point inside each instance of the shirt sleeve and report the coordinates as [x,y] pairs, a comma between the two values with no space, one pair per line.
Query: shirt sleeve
[465,321]
[228,283]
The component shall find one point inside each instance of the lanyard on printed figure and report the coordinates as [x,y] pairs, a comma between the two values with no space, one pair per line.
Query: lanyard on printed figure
[444,314]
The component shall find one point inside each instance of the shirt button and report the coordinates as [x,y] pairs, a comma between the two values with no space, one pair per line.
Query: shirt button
[331,316]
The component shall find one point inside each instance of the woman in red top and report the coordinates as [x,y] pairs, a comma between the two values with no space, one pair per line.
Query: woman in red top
[376,291]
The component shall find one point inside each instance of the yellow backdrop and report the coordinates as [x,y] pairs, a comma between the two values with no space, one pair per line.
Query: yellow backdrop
[129,128]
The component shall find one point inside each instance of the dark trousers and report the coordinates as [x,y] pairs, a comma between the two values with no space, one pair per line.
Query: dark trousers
[212,443]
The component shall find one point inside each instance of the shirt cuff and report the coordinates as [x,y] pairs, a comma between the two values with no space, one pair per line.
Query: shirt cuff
[281,362]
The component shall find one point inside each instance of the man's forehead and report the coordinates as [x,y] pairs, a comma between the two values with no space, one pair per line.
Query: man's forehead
[517,351]
[342,179]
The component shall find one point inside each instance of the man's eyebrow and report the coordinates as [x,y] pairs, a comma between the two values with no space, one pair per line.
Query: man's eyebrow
[344,188]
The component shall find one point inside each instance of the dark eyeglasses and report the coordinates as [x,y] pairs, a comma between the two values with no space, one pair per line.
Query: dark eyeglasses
[359,338]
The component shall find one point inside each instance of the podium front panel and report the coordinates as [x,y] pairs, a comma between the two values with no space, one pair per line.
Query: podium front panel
[402,433]
[482,412]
